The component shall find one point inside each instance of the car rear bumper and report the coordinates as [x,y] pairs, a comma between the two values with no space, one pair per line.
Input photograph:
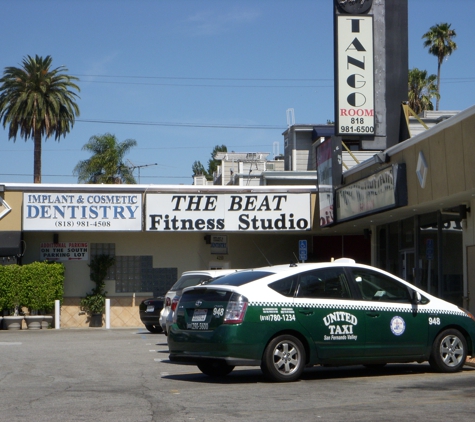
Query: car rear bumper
[150,319]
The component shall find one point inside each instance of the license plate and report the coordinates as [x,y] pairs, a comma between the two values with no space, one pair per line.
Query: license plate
[199,315]
[150,308]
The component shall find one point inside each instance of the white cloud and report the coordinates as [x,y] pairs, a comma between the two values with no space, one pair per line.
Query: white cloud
[212,23]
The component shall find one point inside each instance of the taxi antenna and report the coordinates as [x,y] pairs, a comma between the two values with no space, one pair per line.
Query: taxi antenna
[265,257]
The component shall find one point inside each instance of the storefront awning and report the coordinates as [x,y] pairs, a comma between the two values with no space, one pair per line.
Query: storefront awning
[10,243]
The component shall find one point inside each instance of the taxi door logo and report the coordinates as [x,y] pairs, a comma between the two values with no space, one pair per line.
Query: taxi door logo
[340,325]
[398,326]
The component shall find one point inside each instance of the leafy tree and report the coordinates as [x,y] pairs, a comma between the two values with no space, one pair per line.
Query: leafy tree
[106,165]
[199,169]
[212,162]
[422,89]
[37,101]
[439,41]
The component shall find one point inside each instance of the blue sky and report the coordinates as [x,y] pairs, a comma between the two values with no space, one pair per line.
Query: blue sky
[181,76]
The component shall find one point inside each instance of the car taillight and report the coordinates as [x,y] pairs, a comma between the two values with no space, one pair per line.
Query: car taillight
[175,301]
[168,302]
[235,310]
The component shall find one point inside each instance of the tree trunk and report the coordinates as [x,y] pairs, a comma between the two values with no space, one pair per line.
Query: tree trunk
[37,158]
[438,85]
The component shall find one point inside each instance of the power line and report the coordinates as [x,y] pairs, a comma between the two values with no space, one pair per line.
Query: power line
[330,81]
[181,78]
[206,78]
[177,124]
[75,177]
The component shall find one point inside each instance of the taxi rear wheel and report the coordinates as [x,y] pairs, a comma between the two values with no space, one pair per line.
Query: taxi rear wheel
[449,351]
[284,359]
[215,369]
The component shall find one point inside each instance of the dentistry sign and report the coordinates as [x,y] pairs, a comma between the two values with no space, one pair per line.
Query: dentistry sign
[82,212]
[270,212]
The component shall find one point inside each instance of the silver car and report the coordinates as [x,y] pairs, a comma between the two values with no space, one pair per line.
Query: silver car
[187,279]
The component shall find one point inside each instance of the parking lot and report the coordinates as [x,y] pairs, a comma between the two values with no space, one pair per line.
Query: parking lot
[123,375]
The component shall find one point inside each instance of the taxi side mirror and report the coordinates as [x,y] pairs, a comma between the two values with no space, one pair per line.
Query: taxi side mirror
[417,297]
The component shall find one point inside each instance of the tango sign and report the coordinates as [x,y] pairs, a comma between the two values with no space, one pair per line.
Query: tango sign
[355,63]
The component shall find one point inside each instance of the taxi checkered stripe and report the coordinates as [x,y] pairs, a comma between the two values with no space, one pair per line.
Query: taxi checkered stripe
[374,307]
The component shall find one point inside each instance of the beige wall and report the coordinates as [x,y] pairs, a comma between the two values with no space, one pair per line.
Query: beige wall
[185,251]
[12,220]
[450,156]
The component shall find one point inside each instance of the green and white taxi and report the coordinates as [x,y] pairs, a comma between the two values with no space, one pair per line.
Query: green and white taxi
[286,318]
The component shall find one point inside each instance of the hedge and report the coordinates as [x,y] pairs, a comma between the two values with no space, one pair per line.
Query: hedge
[35,286]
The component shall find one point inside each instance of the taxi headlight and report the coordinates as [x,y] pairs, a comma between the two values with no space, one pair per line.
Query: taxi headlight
[469,314]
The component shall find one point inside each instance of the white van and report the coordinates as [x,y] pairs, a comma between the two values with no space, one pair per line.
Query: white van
[187,279]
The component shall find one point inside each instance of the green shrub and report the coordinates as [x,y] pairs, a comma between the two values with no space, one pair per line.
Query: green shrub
[12,291]
[35,286]
[94,302]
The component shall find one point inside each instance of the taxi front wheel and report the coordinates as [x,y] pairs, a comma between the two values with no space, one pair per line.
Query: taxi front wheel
[449,351]
[284,359]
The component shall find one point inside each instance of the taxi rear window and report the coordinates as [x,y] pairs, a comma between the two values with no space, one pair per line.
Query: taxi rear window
[240,278]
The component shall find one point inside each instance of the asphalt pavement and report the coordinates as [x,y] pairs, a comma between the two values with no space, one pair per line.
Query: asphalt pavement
[123,375]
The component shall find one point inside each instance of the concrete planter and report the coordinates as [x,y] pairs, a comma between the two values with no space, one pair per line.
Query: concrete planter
[12,322]
[96,320]
[33,322]
[47,322]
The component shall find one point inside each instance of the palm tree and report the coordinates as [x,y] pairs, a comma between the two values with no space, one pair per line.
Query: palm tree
[106,165]
[421,90]
[38,101]
[440,43]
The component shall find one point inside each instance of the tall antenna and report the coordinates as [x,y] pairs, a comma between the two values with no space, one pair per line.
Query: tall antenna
[276,148]
[132,167]
[290,117]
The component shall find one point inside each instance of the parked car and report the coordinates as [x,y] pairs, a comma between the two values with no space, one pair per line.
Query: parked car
[285,318]
[187,279]
[150,313]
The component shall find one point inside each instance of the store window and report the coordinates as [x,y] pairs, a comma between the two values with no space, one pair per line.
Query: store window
[426,251]
[104,249]
[136,274]
[441,256]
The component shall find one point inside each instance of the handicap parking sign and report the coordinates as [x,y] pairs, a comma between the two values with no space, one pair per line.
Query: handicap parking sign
[303,250]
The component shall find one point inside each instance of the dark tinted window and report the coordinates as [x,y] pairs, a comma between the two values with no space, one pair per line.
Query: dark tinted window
[189,280]
[286,286]
[240,278]
[379,287]
[325,283]
[205,294]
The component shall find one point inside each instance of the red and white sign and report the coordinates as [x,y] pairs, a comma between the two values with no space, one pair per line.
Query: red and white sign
[64,251]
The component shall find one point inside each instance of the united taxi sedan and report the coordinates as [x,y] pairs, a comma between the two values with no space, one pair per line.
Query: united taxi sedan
[286,318]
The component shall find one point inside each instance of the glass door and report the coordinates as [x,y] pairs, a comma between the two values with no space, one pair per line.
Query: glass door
[407,265]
